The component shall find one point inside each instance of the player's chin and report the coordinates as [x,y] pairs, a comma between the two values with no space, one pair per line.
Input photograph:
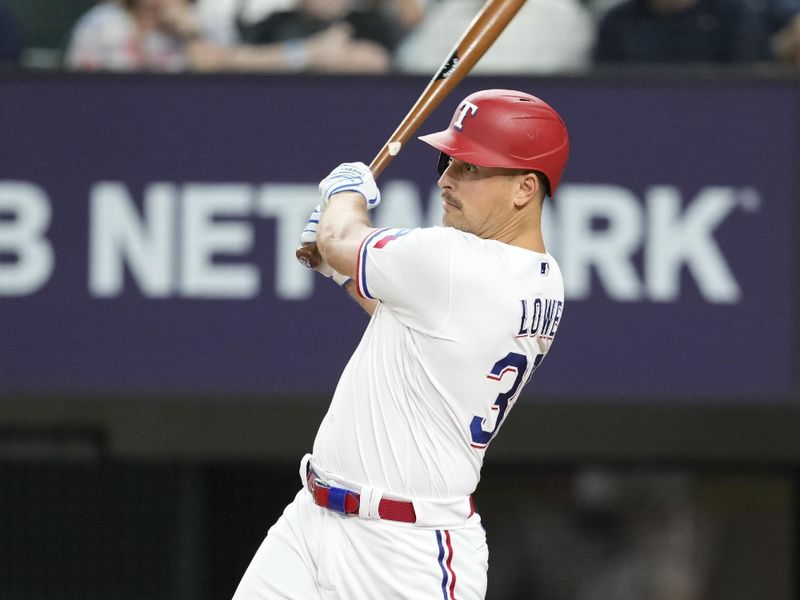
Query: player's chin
[450,220]
[450,215]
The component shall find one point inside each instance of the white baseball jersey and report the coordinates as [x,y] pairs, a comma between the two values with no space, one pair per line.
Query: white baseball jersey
[462,324]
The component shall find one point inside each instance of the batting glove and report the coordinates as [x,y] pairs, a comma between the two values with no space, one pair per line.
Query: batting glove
[351,177]
[308,236]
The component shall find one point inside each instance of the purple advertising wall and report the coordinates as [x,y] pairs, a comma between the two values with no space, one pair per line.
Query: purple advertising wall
[148,225]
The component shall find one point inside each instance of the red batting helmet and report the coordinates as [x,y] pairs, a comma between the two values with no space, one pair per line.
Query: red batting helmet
[504,128]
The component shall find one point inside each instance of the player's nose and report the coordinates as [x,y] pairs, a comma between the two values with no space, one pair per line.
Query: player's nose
[446,180]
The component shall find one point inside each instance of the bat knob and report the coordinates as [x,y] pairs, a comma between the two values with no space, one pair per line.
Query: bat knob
[308,255]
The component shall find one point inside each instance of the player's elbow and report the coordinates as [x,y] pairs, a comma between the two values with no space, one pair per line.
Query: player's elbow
[336,249]
[342,227]
[326,239]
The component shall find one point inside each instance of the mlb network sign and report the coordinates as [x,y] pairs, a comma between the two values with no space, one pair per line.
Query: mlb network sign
[148,228]
[197,240]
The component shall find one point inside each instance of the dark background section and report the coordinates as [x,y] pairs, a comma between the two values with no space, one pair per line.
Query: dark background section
[77,529]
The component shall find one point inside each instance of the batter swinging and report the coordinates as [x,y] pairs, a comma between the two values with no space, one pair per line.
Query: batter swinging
[462,315]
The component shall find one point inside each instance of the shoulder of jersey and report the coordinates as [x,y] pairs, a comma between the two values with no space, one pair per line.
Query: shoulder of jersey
[436,233]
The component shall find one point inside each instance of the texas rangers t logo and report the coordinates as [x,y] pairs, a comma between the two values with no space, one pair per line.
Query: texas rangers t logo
[467,107]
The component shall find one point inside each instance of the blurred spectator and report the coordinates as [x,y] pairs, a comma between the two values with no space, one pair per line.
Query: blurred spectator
[10,36]
[652,542]
[783,22]
[408,12]
[225,14]
[546,36]
[601,7]
[779,13]
[330,36]
[170,35]
[682,31]
[130,35]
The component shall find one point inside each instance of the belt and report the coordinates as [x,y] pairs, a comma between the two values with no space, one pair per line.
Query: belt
[347,502]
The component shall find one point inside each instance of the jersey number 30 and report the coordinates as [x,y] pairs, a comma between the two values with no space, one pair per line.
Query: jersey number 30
[511,363]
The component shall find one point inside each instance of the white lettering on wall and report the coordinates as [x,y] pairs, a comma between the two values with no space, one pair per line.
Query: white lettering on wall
[675,240]
[25,215]
[400,206]
[205,237]
[169,248]
[290,205]
[670,233]
[119,236]
[608,250]
[197,240]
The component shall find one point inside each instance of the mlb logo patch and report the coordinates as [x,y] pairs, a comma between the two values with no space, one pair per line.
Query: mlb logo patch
[544,268]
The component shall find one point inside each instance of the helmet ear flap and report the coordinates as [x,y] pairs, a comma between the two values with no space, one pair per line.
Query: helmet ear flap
[444,162]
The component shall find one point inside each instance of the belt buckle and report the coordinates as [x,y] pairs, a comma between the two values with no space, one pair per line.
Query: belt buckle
[313,479]
[316,482]
[337,496]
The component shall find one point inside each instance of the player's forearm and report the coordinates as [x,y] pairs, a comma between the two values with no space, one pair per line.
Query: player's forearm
[343,225]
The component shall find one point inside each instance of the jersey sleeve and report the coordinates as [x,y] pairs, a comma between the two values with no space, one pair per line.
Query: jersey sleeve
[408,270]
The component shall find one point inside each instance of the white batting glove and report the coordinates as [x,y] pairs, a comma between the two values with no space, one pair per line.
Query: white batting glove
[308,236]
[351,177]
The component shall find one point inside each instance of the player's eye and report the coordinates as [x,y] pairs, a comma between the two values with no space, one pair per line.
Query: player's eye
[470,168]
[444,162]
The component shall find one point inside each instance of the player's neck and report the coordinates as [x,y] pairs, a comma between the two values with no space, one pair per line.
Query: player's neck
[529,238]
[533,241]
[524,230]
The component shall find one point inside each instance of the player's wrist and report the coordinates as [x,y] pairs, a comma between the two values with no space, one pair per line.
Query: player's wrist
[344,196]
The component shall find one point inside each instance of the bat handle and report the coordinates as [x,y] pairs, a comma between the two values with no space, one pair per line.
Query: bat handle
[308,255]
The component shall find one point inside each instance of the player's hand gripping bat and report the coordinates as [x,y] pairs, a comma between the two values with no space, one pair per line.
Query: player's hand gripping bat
[476,40]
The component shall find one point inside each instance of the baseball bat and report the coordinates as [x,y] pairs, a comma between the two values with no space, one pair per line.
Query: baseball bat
[484,29]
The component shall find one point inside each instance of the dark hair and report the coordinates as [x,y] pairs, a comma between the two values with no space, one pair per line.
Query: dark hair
[546,182]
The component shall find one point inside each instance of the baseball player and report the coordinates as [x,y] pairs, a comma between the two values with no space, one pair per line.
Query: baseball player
[462,315]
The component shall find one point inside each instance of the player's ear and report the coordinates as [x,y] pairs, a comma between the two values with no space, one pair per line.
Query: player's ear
[527,187]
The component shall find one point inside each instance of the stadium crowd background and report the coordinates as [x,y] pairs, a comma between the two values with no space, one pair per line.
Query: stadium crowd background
[383,36]
[590,530]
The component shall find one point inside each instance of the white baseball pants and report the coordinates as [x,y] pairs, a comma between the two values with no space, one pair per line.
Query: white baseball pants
[313,553]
